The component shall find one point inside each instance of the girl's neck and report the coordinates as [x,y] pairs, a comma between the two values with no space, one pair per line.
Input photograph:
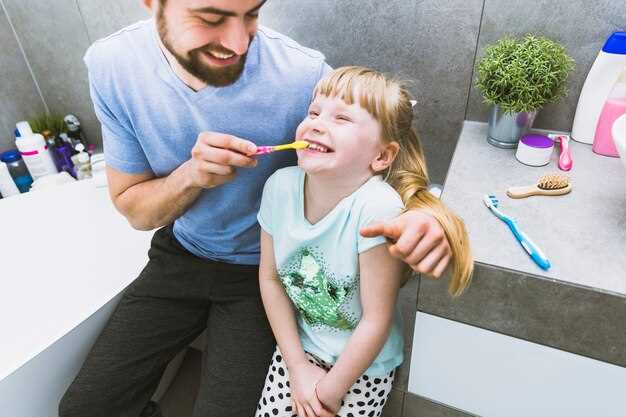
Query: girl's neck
[323,193]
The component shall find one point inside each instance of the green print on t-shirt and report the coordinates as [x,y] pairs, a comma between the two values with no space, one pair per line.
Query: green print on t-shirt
[314,294]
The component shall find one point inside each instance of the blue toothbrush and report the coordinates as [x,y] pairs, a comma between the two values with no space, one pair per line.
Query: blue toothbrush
[529,246]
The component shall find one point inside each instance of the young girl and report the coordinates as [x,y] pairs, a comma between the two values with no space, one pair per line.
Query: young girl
[330,293]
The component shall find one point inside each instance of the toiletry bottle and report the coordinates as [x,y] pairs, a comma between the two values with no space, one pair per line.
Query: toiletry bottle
[619,136]
[74,131]
[600,80]
[66,139]
[35,152]
[64,154]
[49,138]
[83,168]
[7,185]
[17,169]
[614,107]
[23,129]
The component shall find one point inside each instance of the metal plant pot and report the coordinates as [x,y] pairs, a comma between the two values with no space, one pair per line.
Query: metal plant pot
[506,129]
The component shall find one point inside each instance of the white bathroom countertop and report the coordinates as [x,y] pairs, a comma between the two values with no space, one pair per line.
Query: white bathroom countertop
[65,253]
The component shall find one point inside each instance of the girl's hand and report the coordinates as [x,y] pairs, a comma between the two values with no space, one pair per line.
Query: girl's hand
[329,395]
[304,377]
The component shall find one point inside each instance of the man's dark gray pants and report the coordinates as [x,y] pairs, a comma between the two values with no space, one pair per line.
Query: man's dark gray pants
[173,300]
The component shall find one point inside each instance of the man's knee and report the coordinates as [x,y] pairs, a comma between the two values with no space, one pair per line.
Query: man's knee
[71,405]
[81,402]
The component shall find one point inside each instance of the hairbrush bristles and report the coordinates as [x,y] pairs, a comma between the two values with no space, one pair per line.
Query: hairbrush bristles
[553,181]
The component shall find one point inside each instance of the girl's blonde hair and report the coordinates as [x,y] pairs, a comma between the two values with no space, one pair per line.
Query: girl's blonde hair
[388,101]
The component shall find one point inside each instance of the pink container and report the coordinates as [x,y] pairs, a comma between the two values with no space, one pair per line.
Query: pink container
[603,143]
[614,107]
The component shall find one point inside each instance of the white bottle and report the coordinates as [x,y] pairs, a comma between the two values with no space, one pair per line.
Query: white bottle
[36,155]
[83,167]
[619,137]
[600,80]
[7,185]
[23,128]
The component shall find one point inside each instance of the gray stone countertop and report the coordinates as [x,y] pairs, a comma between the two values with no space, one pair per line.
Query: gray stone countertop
[583,233]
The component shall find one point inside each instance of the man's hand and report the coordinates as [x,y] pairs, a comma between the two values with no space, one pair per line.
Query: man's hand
[418,240]
[214,158]
[148,202]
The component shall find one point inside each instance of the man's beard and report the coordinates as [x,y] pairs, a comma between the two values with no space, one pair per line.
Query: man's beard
[217,77]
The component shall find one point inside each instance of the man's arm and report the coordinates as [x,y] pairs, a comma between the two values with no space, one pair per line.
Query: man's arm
[428,237]
[148,202]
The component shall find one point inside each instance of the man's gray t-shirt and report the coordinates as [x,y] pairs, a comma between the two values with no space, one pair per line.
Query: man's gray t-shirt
[151,120]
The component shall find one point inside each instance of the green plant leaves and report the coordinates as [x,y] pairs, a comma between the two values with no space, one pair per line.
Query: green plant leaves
[522,75]
[47,121]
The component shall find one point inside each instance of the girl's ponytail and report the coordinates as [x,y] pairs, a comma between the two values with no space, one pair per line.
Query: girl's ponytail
[409,176]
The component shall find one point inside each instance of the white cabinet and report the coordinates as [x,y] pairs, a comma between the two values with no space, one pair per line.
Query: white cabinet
[494,375]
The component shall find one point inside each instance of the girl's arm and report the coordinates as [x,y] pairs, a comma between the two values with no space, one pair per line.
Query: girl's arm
[303,375]
[278,307]
[381,279]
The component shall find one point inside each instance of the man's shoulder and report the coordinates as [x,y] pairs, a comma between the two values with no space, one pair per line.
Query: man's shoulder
[119,49]
[287,56]
[288,46]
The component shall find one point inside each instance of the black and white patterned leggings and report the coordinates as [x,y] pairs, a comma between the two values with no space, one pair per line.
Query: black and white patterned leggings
[365,398]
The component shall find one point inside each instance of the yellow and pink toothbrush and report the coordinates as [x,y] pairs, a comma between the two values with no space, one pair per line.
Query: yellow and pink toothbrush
[299,144]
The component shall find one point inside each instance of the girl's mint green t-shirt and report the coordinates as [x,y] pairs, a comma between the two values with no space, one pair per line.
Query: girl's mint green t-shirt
[318,264]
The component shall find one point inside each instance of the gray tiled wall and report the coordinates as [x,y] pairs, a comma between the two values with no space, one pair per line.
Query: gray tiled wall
[431,43]
[54,37]
[580,25]
[18,92]
[105,17]
[54,40]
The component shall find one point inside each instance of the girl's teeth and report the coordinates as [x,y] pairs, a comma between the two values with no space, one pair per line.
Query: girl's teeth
[318,148]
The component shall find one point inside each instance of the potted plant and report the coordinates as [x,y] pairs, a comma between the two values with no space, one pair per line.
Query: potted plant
[53,123]
[517,77]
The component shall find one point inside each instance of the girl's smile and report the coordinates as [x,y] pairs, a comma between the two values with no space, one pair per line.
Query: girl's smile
[344,138]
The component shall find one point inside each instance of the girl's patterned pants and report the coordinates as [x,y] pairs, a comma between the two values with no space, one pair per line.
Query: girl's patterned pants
[365,398]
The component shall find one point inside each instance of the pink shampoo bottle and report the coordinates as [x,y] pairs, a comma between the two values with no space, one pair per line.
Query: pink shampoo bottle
[614,107]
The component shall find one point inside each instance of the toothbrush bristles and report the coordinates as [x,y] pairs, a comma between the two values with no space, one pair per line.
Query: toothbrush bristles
[494,200]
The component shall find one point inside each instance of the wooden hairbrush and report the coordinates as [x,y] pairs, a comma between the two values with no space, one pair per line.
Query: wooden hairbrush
[549,184]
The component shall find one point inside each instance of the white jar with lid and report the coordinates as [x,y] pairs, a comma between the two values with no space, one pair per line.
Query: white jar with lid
[534,150]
